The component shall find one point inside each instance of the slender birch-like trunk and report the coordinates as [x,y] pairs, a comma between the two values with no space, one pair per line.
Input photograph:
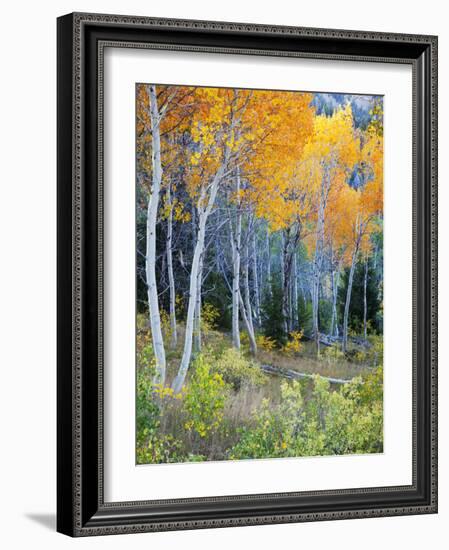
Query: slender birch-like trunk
[295,290]
[247,295]
[255,278]
[290,241]
[238,303]
[236,251]
[344,343]
[268,261]
[285,282]
[204,213]
[178,382]
[235,295]
[365,303]
[332,277]
[334,309]
[248,325]
[282,259]
[317,279]
[171,278]
[197,343]
[377,275]
[335,284]
[318,261]
[150,260]
[316,284]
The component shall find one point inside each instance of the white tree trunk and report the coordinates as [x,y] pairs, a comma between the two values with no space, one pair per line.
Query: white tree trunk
[235,299]
[268,261]
[281,259]
[318,262]
[344,344]
[290,239]
[335,284]
[365,303]
[255,278]
[198,305]
[247,295]
[150,261]
[193,296]
[285,283]
[315,295]
[295,290]
[236,240]
[171,278]
[248,325]
[178,382]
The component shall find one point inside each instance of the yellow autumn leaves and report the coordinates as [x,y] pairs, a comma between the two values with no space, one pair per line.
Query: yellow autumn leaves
[283,149]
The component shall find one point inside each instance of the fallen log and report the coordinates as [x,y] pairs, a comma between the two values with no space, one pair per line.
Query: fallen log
[327,340]
[295,375]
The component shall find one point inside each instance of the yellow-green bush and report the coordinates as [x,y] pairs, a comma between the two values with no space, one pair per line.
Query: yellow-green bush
[376,351]
[265,342]
[159,448]
[152,446]
[145,355]
[273,431]
[237,370]
[209,316]
[372,354]
[165,324]
[332,353]
[293,344]
[148,411]
[328,422]
[204,399]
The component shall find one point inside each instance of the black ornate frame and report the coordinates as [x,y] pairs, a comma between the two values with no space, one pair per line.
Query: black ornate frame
[81,508]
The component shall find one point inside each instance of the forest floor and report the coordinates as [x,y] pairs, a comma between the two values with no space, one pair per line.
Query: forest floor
[306,361]
[253,390]
[330,363]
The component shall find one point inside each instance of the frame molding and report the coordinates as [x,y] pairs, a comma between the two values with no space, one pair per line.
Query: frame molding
[81,510]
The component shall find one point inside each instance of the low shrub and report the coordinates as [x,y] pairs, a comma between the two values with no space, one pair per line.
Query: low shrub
[376,351]
[344,421]
[152,446]
[332,353]
[204,399]
[144,345]
[265,342]
[209,317]
[148,411]
[293,344]
[237,370]
[159,448]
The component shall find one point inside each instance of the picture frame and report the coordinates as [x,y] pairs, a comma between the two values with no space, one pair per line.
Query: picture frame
[81,506]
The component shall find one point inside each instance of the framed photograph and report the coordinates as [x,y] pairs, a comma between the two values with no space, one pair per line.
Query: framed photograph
[247,279]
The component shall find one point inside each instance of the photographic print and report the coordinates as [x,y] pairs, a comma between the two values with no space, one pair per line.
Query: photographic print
[259,269]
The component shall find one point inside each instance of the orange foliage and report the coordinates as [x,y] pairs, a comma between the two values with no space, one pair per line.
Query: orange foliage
[284,151]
